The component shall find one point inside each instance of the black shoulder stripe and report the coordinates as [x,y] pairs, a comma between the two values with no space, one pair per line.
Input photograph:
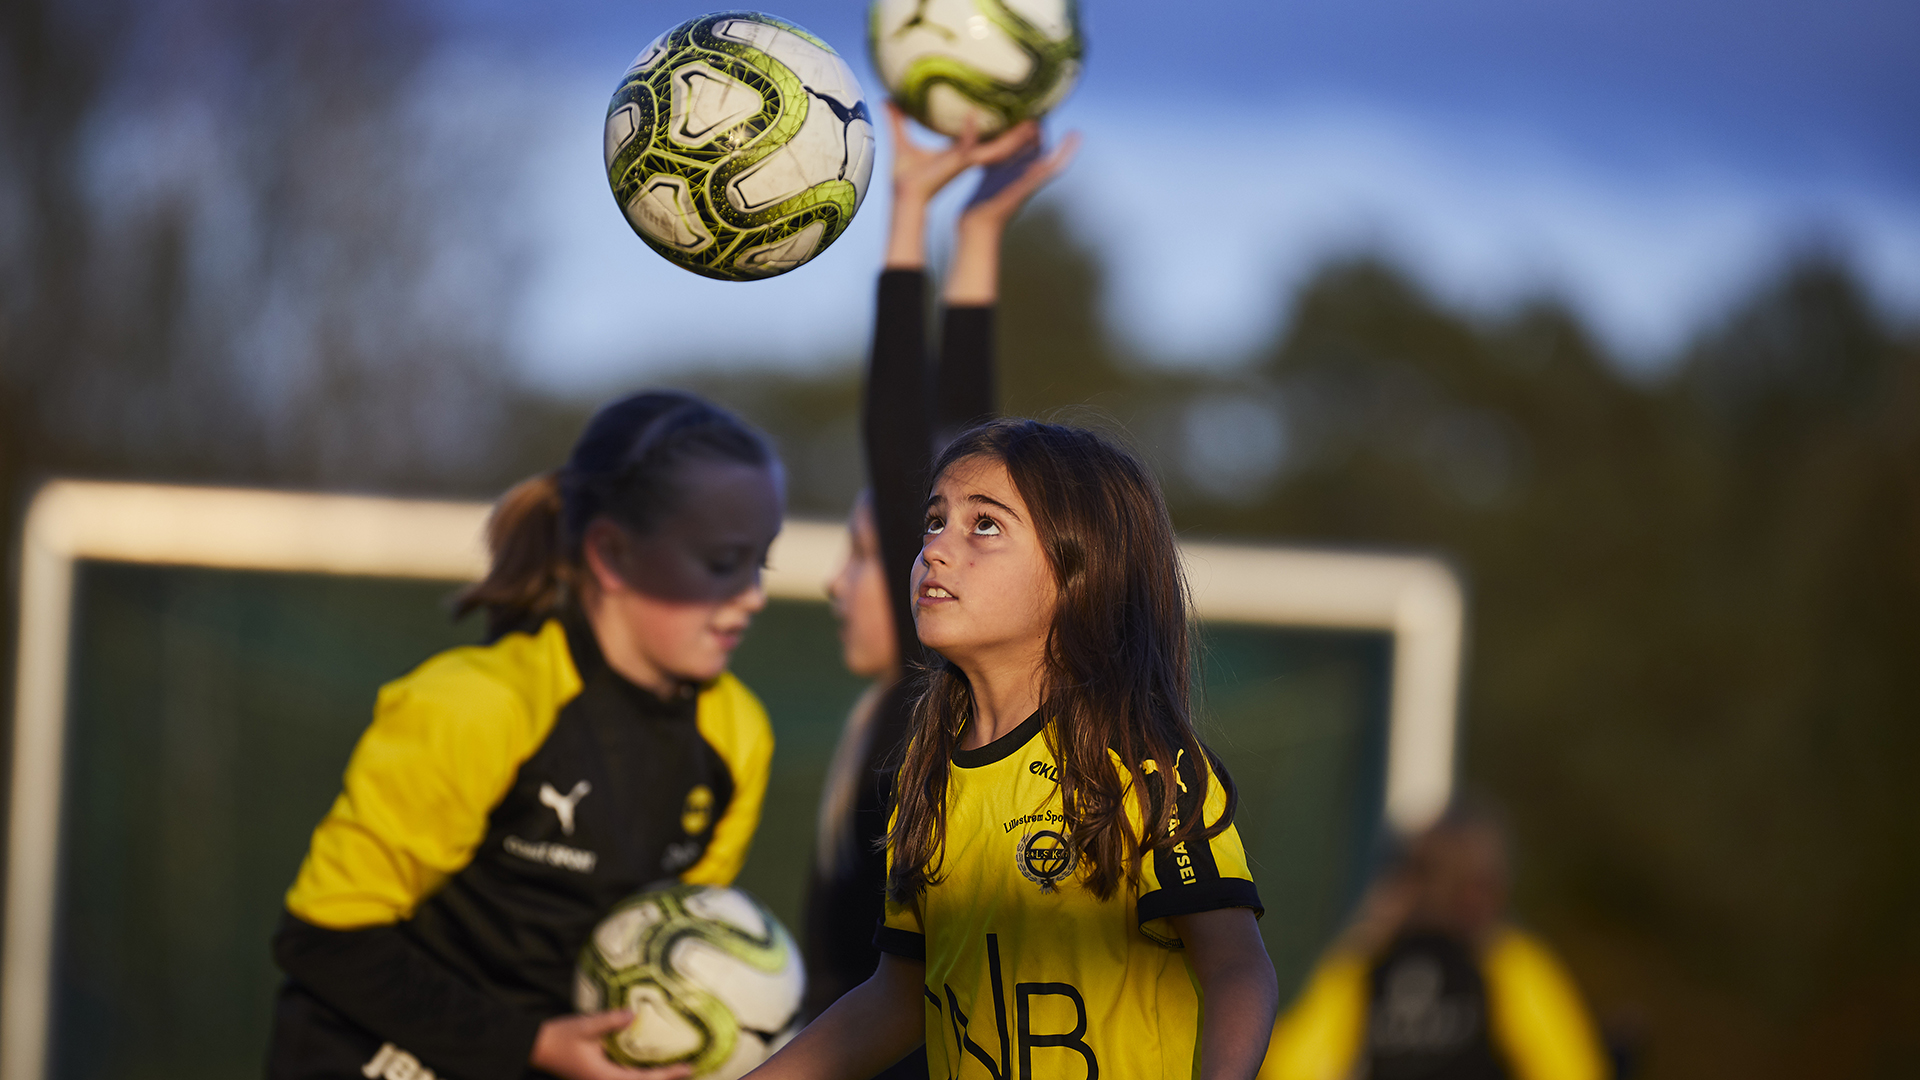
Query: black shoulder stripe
[1185,865]
[1190,862]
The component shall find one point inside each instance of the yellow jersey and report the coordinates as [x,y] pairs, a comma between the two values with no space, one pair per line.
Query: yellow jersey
[1029,974]
[1534,1021]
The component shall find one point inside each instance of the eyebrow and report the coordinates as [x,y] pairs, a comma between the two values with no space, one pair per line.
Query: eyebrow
[976,498]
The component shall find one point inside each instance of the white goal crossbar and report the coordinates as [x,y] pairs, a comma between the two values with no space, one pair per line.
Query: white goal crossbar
[1417,599]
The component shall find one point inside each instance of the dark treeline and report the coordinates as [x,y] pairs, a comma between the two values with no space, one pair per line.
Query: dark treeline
[239,238]
[232,249]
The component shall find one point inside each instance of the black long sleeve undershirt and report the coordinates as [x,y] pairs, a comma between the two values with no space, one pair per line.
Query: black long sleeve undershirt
[963,392]
[906,408]
[378,979]
[898,432]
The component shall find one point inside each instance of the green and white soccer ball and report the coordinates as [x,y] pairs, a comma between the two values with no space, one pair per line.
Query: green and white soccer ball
[712,977]
[996,61]
[739,145]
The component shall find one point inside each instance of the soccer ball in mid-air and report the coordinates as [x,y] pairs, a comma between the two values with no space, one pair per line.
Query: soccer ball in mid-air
[739,145]
[997,62]
[712,978]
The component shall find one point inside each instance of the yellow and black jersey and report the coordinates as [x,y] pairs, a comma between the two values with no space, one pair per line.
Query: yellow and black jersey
[1029,974]
[1430,1007]
[504,798]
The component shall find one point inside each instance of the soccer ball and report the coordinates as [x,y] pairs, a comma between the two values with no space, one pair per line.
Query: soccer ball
[739,145]
[712,977]
[997,61]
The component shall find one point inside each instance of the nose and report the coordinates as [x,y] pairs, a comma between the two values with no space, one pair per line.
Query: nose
[933,549]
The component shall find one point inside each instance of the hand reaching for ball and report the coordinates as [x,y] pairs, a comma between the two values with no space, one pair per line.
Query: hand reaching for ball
[571,1047]
[919,173]
[1016,165]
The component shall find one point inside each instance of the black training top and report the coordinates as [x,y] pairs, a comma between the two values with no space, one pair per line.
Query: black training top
[904,419]
[504,799]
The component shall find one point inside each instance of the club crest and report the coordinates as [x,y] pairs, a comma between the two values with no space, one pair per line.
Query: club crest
[1045,858]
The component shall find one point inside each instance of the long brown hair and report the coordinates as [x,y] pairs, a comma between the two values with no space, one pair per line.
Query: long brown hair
[1117,665]
[624,468]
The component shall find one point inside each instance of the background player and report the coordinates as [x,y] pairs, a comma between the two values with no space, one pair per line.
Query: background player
[870,594]
[1432,983]
[507,795]
[1063,869]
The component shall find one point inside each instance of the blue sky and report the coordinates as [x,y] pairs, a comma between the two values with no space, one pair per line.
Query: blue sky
[1647,160]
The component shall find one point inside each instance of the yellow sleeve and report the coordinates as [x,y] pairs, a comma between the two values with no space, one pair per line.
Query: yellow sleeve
[735,724]
[443,748]
[1192,876]
[1536,1017]
[1319,1037]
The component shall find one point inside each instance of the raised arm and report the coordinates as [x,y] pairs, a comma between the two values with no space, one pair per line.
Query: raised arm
[964,386]
[897,424]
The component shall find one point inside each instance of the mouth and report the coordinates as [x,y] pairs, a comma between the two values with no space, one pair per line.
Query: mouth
[933,593]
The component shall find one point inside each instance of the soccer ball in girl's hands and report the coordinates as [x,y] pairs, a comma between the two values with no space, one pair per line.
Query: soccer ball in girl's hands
[739,145]
[996,61]
[711,976]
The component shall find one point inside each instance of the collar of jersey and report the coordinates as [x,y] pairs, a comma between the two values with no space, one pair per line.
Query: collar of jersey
[592,667]
[1003,747]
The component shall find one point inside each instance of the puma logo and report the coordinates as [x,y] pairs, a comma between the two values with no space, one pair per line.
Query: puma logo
[563,804]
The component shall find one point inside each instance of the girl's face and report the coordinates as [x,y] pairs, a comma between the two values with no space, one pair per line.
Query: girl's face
[672,605]
[861,603]
[983,593]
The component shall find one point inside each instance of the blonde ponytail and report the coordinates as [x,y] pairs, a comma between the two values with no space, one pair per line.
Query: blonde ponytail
[532,572]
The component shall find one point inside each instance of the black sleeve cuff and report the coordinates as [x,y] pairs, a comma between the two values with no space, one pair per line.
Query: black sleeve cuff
[1212,895]
[902,943]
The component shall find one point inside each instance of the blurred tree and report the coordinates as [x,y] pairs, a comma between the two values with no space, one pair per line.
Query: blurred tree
[248,241]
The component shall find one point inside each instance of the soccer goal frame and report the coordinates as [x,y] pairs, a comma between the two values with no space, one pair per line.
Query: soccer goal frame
[1416,599]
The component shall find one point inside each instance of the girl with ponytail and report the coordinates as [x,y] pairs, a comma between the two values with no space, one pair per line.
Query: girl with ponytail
[509,794]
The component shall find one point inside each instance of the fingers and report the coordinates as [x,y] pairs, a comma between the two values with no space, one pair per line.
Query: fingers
[1048,167]
[588,1059]
[1007,143]
[600,1024]
[969,138]
[1003,192]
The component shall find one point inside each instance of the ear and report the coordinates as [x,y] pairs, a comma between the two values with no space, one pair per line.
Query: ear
[606,550]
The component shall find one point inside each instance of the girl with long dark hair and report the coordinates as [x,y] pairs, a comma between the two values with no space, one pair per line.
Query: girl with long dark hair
[1065,886]
[507,795]
[908,403]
